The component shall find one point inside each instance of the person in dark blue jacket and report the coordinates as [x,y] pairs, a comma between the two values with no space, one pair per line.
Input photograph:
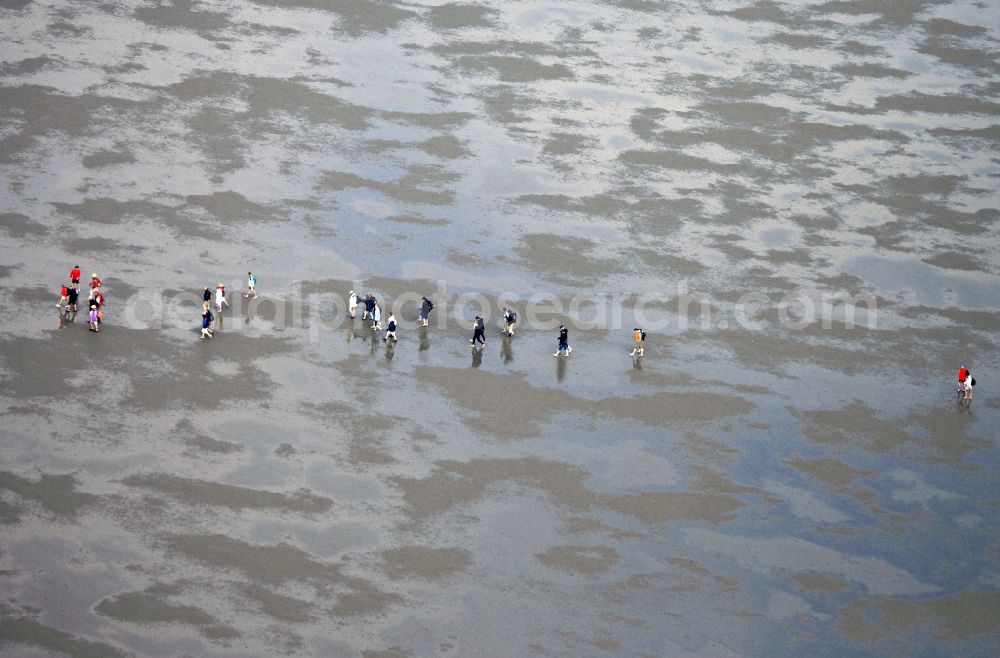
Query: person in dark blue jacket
[426,306]
[564,348]
[206,324]
[390,329]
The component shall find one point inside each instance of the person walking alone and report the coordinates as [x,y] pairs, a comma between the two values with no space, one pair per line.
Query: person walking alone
[220,297]
[564,348]
[965,383]
[479,332]
[251,286]
[509,318]
[640,338]
[426,306]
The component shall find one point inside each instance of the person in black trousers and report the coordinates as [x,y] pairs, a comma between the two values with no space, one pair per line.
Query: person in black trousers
[479,333]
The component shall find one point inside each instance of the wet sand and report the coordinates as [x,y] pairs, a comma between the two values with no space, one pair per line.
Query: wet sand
[296,487]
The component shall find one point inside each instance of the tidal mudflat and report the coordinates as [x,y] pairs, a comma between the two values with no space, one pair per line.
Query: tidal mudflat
[787,473]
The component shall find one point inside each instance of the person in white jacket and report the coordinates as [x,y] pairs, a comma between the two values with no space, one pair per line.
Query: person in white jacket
[352,303]
[220,297]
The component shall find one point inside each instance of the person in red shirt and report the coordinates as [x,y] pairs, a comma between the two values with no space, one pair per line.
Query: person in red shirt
[63,298]
[95,282]
[74,275]
[964,383]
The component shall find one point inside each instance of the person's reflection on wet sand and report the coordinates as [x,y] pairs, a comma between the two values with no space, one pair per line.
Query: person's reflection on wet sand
[477,357]
[506,350]
[561,370]
[390,350]
[425,341]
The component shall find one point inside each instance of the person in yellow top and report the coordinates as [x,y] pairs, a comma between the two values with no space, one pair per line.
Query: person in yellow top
[640,338]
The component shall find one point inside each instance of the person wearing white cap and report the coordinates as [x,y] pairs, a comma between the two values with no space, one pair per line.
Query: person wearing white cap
[352,303]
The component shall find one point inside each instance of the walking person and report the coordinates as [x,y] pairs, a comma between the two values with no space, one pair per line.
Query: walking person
[509,318]
[965,383]
[99,298]
[74,275]
[352,304]
[390,329]
[479,332]
[376,317]
[72,295]
[640,338]
[94,318]
[251,286]
[206,324]
[95,282]
[564,348]
[220,297]
[426,306]
[207,299]
[369,307]
[63,297]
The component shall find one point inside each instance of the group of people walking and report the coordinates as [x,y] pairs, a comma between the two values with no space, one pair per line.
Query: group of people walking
[207,317]
[219,297]
[373,311]
[69,297]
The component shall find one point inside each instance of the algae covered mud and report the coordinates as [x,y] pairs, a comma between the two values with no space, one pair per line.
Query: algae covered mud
[797,200]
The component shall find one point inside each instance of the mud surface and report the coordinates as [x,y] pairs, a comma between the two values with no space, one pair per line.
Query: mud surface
[296,487]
